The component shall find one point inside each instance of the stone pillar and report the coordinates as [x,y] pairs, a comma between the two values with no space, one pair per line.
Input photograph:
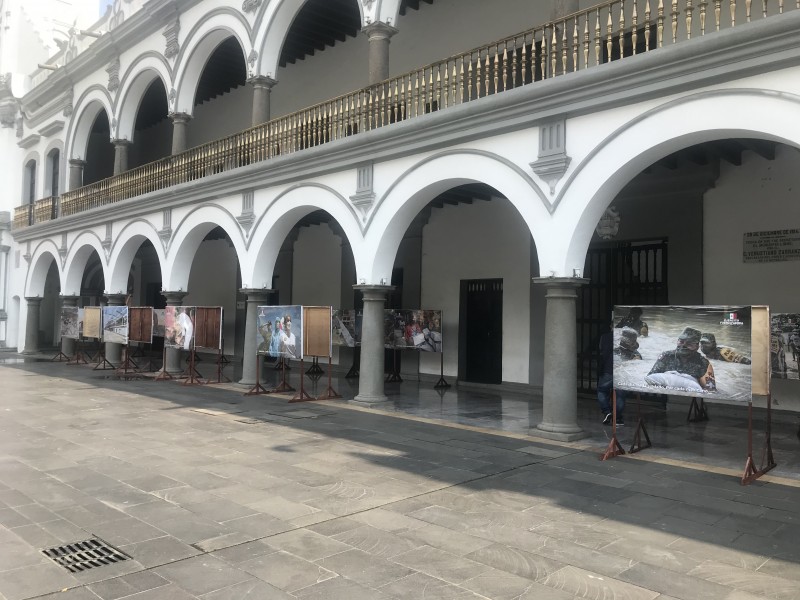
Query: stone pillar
[172,362]
[68,344]
[121,156]
[378,35]
[113,349]
[250,362]
[262,89]
[32,325]
[4,250]
[76,166]
[560,389]
[371,376]
[180,121]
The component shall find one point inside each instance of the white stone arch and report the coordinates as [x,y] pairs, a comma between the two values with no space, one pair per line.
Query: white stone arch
[45,253]
[428,178]
[146,69]
[126,245]
[187,238]
[88,106]
[216,26]
[78,256]
[272,24]
[282,215]
[387,11]
[683,122]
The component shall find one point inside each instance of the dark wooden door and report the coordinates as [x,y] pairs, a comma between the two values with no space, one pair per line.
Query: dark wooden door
[480,346]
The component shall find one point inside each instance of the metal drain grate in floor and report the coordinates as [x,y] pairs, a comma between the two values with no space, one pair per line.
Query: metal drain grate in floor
[82,556]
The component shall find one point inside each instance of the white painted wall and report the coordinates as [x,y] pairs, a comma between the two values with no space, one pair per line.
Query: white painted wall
[484,240]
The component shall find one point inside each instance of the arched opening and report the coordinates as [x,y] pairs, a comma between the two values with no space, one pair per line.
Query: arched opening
[53,173]
[92,282]
[222,100]
[50,310]
[153,129]
[99,151]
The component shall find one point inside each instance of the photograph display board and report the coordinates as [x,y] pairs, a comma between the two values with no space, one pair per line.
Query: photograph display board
[92,322]
[179,327]
[70,322]
[413,329]
[115,324]
[702,351]
[785,346]
[317,329]
[158,322]
[760,347]
[208,327]
[346,328]
[280,331]
[141,324]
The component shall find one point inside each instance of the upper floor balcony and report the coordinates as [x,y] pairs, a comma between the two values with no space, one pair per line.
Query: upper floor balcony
[616,31]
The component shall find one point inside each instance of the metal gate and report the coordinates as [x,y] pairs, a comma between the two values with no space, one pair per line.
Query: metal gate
[620,273]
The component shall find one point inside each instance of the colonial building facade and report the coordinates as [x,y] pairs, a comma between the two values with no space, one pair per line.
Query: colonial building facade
[521,166]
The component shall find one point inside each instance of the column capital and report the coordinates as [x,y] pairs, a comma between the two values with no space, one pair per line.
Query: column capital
[68,300]
[174,298]
[76,162]
[115,299]
[257,294]
[560,282]
[180,117]
[4,248]
[379,31]
[374,292]
[262,81]
[118,142]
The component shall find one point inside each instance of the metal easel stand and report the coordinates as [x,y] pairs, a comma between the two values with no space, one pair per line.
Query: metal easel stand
[697,411]
[354,368]
[637,446]
[283,385]
[192,374]
[767,459]
[302,395]
[257,389]
[614,447]
[103,363]
[60,356]
[315,369]
[79,358]
[163,375]
[330,393]
[442,383]
[128,367]
[394,376]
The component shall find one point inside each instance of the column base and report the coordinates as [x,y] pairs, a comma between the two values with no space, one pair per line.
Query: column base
[560,433]
[365,400]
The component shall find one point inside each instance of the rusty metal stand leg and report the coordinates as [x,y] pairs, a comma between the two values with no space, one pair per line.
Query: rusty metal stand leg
[330,392]
[767,460]
[354,372]
[193,374]
[394,376]
[302,395]
[284,386]
[60,356]
[614,447]
[640,429]
[163,375]
[697,411]
[257,389]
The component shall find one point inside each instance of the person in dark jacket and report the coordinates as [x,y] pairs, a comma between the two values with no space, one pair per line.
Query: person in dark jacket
[626,350]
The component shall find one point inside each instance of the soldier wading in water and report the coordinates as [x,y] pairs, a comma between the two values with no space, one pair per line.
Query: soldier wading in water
[684,368]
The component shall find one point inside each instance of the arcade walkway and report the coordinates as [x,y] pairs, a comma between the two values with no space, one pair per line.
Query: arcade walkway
[216,496]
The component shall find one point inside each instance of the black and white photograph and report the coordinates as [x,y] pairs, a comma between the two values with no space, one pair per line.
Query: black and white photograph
[698,351]
[784,347]
[346,328]
[70,322]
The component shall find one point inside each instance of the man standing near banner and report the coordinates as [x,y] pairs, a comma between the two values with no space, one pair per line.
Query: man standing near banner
[684,368]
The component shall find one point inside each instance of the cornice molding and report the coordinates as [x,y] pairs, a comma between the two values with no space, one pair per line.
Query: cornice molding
[726,56]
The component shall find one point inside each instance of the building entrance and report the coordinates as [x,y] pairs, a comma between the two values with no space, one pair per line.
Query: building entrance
[480,345]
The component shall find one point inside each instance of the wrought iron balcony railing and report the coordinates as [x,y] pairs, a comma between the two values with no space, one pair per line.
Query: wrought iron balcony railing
[38,212]
[582,40]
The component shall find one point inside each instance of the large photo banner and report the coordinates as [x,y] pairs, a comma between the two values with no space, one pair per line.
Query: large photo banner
[92,322]
[784,347]
[317,331]
[280,331]
[140,328]
[346,327]
[70,322]
[179,327]
[684,350]
[413,329]
[115,324]
[208,327]
[158,322]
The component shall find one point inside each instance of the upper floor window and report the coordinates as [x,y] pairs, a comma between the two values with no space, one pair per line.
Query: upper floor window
[29,193]
[53,172]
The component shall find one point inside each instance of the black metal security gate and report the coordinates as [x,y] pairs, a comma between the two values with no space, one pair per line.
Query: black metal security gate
[620,273]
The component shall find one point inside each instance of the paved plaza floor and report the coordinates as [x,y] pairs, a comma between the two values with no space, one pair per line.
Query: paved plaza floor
[213,495]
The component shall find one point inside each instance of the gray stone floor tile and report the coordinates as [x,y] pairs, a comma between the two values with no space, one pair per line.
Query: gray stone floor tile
[518,562]
[365,569]
[159,551]
[252,589]
[675,584]
[73,594]
[306,544]
[201,574]
[781,568]
[244,552]
[127,530]
[35,580]
[585,584]
[168,592]
[754,582]
[258,525]
[424,586]
[11,518]
[339,589]
[445,539]
[286,572]
[127,585]
[36,513]
[376,542]
[499,585]
[335,526]
[440,564]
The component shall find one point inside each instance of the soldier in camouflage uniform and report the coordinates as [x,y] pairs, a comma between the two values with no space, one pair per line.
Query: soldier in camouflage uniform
[628,346]
[686,360]
[708,345]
